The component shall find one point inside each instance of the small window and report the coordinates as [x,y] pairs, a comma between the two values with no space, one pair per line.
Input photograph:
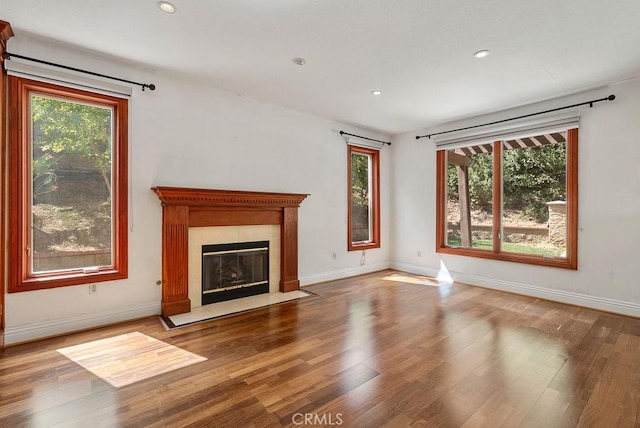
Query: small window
[68,181]
[364,198]
[512,200]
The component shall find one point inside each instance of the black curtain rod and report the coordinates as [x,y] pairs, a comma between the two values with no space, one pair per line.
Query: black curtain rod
[365,138]
[8,55]
[591,103]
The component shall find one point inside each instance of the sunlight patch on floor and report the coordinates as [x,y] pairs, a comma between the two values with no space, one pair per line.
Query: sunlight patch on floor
[422,280]
[129,358]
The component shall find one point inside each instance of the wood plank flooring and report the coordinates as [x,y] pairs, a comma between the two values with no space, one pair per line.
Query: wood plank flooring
[383,349]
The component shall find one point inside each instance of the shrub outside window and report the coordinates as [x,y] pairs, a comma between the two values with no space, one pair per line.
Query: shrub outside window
[68,186]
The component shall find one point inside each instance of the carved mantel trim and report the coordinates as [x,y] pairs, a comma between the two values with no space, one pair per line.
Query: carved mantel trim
[188,207]
[228,198]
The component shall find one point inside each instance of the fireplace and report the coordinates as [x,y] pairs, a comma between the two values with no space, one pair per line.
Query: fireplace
[187,208]
[231,271]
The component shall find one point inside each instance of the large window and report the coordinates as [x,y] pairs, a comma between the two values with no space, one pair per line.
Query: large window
[513,199]
[68,186]
[364,198]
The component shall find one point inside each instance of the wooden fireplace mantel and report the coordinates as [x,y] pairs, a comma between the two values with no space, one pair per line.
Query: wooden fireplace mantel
[186,207]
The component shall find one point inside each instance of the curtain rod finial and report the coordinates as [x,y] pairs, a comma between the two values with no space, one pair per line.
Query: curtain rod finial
[611,97]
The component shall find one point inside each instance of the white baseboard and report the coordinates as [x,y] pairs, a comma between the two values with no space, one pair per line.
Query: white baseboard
[34,331]
[342,273]
[24,333]
[578,299]
[418,270]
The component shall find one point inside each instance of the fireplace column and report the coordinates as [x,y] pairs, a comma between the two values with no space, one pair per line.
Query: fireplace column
[289,251]
[175,253]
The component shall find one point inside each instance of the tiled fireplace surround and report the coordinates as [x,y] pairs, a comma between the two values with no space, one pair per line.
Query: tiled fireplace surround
[184,209]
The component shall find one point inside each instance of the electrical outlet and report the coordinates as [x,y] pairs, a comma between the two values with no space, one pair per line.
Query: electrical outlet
[93,288]
[334,256]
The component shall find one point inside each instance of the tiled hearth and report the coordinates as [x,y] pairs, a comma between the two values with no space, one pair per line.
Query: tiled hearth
[216,310]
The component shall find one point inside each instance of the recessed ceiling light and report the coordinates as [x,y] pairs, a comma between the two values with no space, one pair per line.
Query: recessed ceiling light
[376,92]
[167,7]
[481,54]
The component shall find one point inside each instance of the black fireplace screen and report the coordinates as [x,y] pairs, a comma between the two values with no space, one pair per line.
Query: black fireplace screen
[234,270]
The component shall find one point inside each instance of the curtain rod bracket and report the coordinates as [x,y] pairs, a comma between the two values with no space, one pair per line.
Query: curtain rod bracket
[590,103]
[8,55]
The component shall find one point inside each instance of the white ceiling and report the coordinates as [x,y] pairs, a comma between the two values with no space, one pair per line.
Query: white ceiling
[418,52]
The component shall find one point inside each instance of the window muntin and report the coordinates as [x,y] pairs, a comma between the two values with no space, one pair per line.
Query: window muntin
[364,211]
[532,213]
[68,183]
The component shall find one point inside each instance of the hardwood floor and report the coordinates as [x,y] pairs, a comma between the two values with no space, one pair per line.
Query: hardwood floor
[383,349]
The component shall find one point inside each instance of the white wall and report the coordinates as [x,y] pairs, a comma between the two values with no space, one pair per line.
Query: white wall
[609,210]
[187,134]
